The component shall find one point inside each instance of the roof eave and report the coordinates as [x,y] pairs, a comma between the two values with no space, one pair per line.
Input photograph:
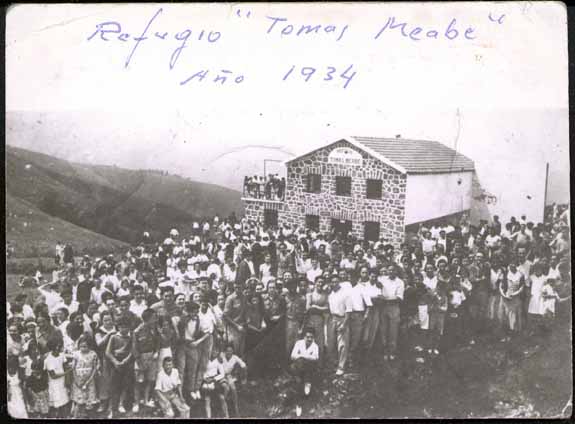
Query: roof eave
[452,171]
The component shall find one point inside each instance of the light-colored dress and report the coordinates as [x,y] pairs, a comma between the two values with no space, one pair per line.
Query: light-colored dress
[511,308]
[16,405]
[57,391]
[536,300]
[84,366]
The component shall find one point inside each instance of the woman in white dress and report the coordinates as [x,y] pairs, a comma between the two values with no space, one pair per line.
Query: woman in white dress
[536,301]
[510,289]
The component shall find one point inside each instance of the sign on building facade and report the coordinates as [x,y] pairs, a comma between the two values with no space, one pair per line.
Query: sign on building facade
[345,156]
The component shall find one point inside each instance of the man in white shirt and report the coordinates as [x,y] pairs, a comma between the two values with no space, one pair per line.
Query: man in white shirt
[67,302]
[138,304]
[215,268]
[427,244]
[110,281]
[233,367]
[340,308]
[314,271]
[51,296]
[304,357]
[361,305]
[169,390]
[392,289]
[348,263]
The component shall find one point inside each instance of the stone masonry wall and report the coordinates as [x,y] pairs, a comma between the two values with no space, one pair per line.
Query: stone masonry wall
[254,208]
[389,211]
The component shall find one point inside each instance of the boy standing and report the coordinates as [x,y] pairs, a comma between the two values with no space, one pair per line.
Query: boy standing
[119,352]
[146,350]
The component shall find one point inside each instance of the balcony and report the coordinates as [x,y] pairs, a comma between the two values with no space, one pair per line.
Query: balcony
[271,188]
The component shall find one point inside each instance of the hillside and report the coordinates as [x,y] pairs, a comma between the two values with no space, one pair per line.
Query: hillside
[34,233]
[118,203]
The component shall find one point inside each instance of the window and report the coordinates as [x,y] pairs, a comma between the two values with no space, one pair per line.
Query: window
[313,183]
[343,186]
[341,226]
[371,231]
[312,222]
[270,218]
[373,189]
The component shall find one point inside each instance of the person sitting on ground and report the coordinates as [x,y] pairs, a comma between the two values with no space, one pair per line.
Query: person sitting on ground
[169,390]
[304,359]
[235,369]
[214,383]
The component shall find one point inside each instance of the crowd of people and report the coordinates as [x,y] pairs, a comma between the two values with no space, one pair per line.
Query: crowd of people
[187,323]
[270,187]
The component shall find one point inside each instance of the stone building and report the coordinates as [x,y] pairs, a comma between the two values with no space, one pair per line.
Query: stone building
[370,187]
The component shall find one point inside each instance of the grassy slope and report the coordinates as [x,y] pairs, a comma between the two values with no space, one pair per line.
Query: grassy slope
[35,233]
[112,201]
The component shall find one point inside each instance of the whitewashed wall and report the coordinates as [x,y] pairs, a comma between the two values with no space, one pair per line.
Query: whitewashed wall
[517,188]
[435,195]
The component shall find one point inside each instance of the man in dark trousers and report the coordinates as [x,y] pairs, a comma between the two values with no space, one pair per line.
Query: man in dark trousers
[68,254]
[245,268]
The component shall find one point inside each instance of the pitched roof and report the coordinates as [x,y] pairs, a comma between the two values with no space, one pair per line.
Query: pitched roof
[407,156]
[416,156]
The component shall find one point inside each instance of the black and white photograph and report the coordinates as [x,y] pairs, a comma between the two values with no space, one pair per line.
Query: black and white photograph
[288,210]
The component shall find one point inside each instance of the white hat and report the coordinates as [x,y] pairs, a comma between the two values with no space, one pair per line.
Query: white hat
[174,232]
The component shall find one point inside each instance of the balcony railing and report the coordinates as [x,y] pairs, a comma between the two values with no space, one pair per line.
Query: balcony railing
[265,188]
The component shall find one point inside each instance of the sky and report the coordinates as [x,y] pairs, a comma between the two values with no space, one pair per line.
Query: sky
[496,92]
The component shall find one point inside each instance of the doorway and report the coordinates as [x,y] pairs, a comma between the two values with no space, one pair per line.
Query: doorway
[341,226]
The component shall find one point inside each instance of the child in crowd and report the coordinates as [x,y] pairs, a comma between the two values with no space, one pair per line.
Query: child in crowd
[119,353]
[37,391]
[54,364]
[549,298]
[145,349]
[16,405]
[85,366]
